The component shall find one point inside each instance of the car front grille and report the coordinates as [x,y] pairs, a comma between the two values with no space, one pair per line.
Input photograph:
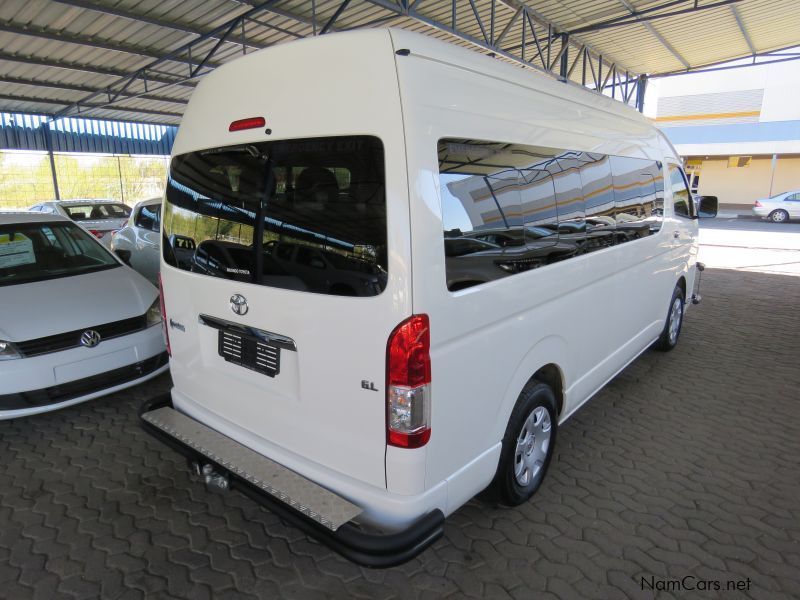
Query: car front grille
[72,339]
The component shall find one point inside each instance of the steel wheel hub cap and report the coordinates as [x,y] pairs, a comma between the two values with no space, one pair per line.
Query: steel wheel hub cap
[533,444]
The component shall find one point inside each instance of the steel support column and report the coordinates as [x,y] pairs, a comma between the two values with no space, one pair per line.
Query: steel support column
[641,88]
[773,166]
[563,70]
[48,142]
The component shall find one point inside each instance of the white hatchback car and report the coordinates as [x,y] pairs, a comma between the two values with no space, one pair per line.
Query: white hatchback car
[75,322]
[101,218]
[780,208]
[137,243]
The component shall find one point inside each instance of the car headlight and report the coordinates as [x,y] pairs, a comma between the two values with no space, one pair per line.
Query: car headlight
[154,313]
[8,351]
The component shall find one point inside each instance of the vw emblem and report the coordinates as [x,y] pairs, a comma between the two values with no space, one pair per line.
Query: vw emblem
[90,338]
[239,304]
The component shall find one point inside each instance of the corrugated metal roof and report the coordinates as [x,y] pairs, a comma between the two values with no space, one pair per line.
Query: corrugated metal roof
[76,56]
[28,132]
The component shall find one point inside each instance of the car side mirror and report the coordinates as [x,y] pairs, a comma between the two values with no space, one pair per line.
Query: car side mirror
[707,206]
[125,256]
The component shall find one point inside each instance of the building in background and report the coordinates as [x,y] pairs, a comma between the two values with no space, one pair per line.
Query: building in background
[738,130]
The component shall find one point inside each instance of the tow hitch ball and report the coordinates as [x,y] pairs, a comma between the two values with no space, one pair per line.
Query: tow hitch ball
[214,480]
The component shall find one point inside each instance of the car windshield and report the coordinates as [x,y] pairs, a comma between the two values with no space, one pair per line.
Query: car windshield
[307,214]
[39,251]
[96,212]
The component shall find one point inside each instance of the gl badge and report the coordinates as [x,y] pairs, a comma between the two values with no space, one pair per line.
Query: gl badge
[90,338]
[239,304]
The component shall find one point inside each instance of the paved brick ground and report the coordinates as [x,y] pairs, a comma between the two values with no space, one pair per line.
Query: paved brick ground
[686,464]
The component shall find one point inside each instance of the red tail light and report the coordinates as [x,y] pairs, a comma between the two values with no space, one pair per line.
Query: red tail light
[758,204]
[408,384]
[164,315]
[96,233]
[251,123]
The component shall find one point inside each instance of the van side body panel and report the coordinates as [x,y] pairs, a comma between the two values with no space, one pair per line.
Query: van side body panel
[590,315]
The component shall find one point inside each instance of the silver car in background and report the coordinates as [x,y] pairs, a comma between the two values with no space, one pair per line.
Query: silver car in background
[779,208]
[101,218]
[138,242]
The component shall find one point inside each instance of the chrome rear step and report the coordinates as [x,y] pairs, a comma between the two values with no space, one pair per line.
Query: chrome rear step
[323,515]
[312,500]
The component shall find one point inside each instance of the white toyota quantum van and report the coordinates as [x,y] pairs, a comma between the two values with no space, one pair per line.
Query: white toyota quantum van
[410,264]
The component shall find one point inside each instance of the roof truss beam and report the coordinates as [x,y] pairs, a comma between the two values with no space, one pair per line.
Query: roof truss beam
[655,33]
[543,47]
[85,89]
[86,68]
[743,29]
[778,55]
[142,18]
[645,15]
[92,42]
[50,101]
[220,33]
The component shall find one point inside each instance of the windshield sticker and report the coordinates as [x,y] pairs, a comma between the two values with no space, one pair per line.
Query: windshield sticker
[15,250]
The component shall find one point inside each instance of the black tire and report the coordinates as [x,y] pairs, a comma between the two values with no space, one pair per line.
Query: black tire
[506,486]
[779,216]
[667,341]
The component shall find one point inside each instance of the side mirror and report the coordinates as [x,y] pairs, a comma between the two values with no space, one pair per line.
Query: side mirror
[125,256]
[706,206]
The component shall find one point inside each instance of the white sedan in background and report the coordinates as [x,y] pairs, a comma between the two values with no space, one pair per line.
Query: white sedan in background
[780,208]
[75,323]
[138,243]
[101,218]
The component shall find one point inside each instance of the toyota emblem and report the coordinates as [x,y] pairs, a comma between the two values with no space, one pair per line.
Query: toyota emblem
[90,338]
[239,304]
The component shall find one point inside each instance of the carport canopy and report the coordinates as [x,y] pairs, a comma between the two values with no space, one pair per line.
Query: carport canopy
[139,60]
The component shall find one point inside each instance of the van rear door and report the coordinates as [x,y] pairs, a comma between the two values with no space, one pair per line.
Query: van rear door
[295,283]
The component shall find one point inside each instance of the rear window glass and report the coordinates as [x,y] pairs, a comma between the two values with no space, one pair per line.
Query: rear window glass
[306,214]
[96,212]
[38,251]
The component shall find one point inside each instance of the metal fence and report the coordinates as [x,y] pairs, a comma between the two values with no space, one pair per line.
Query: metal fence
[27,177]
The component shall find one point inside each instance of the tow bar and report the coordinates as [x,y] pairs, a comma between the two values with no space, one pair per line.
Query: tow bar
[215,481]
[696,297]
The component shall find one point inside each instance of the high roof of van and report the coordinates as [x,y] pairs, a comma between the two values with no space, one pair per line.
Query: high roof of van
[352,78]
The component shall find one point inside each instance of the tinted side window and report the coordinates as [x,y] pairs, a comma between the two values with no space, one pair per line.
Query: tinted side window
[149,217]
[681,204]
[636,198]
[481,211]
[598,193]
[569,205]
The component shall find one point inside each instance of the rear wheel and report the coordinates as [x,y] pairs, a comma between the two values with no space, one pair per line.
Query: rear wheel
[778,216]
[672,327]
[527,445]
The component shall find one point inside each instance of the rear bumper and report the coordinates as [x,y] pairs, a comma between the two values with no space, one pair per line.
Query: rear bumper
[365,548]
[761,211]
